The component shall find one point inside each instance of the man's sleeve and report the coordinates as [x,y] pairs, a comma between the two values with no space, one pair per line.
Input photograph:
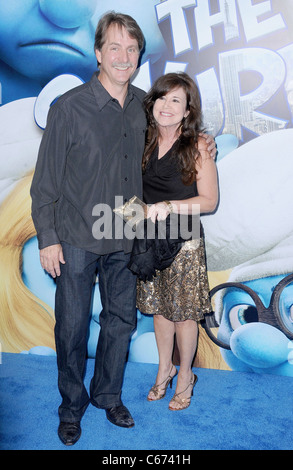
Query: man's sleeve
[47,181]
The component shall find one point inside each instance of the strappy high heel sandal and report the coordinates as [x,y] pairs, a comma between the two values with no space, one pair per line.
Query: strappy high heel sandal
[183,402]
[159,392]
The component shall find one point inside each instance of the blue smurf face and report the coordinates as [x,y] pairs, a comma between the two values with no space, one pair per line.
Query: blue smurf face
[41,39]
[256,326]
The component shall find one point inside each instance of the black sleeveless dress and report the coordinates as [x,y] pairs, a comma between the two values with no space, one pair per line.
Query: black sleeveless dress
[181,291]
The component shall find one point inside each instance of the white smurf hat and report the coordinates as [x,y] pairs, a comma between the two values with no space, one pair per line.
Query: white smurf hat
[253,226]
[277,261]
[19,142]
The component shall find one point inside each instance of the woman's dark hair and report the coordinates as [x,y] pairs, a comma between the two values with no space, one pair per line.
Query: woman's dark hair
[190,127]
[121,20]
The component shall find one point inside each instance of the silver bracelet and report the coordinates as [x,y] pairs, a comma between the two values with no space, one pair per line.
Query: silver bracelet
[170,207]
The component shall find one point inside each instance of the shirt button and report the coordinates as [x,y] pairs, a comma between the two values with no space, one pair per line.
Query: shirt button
[125,156]
[126,179]
[125,135]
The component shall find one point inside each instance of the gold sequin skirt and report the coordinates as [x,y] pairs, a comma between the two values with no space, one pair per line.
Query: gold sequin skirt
[181,291]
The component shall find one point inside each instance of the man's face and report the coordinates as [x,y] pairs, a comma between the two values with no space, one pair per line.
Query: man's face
[118,57]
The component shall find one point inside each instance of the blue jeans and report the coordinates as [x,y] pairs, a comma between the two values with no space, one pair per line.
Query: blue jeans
[117,321]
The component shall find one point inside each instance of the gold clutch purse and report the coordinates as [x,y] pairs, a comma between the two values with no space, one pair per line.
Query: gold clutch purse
[133,211]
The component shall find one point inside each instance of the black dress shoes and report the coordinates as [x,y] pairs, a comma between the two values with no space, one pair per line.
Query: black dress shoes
[69,433]
[120,416]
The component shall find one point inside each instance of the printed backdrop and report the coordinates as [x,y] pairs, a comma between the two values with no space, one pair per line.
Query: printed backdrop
[240,53]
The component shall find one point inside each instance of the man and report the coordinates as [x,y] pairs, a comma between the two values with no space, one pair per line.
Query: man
[91,152]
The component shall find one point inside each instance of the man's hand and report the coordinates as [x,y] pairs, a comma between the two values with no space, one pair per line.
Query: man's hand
[211,145]
[51,257]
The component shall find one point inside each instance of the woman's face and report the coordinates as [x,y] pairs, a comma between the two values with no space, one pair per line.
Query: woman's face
[170,109]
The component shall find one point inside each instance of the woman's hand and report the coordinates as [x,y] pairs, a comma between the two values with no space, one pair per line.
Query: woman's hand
[158,211]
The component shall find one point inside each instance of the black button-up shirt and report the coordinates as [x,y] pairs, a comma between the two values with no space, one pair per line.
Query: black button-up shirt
[90,156]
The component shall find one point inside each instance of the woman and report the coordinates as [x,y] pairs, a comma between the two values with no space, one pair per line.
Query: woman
[179,176]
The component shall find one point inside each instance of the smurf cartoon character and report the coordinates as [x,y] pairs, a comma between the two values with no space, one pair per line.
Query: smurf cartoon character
[251,234]
[41,39]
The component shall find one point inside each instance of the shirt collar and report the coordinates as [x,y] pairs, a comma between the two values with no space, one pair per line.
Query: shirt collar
[101,94]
